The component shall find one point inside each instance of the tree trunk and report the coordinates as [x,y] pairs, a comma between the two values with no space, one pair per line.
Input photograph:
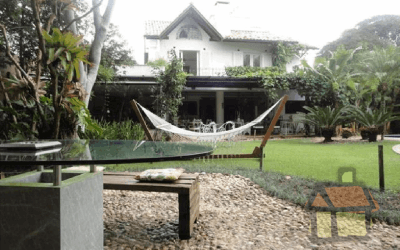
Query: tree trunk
[101,23]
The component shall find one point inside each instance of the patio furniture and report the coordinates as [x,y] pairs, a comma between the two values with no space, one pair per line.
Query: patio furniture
[64,209]
[276,130]
[287,127]
[255,128]
[187,187]
[195,125]
[226,126]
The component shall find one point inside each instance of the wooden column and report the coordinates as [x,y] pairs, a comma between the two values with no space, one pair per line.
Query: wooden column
[188,210]
[2,176]
[93,169]
[40,168]
[142,122]
[57,175]
[261,158]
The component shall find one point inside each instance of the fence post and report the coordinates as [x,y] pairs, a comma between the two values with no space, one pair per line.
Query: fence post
[381,172]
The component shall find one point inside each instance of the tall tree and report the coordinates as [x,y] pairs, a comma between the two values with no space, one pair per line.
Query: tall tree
[62,55]
[380,31]
[380,69]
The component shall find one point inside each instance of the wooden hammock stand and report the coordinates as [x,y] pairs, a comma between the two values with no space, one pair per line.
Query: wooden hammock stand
[257,152]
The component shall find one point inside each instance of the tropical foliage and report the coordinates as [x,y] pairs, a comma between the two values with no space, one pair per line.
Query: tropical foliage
[171,82]
[124,130]
[380,70]
[372,120]
[325,118]
[53,102]
[337,71]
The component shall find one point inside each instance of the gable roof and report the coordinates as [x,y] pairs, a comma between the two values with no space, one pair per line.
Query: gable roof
[250,35]
[193,13]
[161,29]
[154,28]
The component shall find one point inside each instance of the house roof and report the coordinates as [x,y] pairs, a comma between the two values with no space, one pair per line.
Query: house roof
[250,35]
[193,13]
[154,28]
[161,29]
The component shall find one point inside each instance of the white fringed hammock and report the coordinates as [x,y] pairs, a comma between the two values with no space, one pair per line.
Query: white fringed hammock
[160,123]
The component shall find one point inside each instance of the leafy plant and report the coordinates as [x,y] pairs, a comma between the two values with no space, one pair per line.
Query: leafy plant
[64,46]
[171,82]
[158,63]
[335,70]
[372,119]
[326,118]
[269,77]
[126,130]
[284,53]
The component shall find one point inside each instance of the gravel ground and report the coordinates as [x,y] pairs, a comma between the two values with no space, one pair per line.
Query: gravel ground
[235,213]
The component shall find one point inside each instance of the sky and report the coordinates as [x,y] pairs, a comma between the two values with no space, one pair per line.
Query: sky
[313,22]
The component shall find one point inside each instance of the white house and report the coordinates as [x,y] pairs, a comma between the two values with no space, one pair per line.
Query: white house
[207,46]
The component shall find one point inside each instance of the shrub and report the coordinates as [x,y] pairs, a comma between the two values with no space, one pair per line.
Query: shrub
[326,118]
[126,130]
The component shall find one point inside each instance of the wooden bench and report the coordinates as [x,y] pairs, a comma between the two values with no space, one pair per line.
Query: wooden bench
[187,187]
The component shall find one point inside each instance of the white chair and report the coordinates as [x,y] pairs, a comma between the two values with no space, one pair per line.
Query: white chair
[195,125]
[224,126]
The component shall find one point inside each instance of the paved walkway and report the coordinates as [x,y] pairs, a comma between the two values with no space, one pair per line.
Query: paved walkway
[396,148]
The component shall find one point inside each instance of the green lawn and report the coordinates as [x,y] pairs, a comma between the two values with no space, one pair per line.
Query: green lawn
[302,158]
[308,164]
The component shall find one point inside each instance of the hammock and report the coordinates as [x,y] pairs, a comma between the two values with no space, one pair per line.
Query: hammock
[160,123]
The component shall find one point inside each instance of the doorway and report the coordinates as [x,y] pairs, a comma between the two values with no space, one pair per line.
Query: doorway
[190,61]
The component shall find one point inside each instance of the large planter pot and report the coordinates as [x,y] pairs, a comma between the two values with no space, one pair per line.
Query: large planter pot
[372,135]
[35,214]
[328,133]
[364,134]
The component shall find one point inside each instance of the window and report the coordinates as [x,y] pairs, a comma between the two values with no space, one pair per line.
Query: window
[252,60]
[190,32]
[183,34]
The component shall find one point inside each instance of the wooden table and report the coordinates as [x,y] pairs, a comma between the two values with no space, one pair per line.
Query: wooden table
[187,187]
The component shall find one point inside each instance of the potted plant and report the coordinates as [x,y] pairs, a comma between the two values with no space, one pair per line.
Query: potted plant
[372,120]
[364,133]
[325,118]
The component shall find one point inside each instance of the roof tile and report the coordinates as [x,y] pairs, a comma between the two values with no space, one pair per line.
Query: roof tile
[256,35]
[154,28]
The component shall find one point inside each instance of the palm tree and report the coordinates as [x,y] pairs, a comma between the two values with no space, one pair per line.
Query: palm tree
[325,118]
[372,120]
[336,70]
[381,67]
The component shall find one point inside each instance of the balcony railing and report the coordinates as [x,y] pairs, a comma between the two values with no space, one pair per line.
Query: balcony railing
[207,71]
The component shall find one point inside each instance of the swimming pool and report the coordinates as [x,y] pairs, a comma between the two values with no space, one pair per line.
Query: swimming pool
[392,137]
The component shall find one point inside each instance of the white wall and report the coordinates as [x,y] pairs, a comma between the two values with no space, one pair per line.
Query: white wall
[214,56]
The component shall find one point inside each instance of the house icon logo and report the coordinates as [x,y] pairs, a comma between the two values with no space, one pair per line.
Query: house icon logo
[338,212]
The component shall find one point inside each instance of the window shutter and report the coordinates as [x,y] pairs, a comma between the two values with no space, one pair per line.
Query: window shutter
[237,58]
[266,60]
[205,63]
